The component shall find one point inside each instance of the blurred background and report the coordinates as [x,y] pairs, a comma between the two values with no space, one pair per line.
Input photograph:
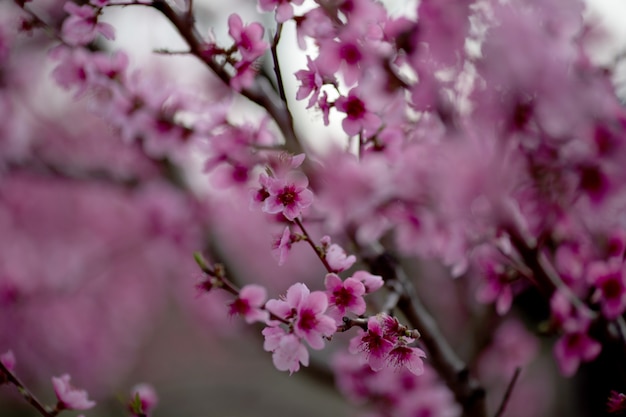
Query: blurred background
[96,241]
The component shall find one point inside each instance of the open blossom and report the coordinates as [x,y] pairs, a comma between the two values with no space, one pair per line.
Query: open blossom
[82,26]
[359,119]
[572,349]
[610,282]
[249,304]
[408,357]
[288,352]
[374,343]
[69,397]
[338,259]
[306,312]
[371,282]
[288,195]
[344,296]
[248,39]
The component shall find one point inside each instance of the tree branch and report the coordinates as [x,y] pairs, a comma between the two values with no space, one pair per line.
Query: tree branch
[508,392]
[25,392]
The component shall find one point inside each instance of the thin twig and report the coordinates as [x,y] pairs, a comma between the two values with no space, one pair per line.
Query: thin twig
[28,396]
[279,77]
[316,249]
[508,392]
[260,93]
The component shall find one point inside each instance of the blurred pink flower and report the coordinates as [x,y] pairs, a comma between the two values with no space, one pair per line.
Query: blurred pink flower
[81,26]
[69,397]
[249,303]
[147,395]
[8,360]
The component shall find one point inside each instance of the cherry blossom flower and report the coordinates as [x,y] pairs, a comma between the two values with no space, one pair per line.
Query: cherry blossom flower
[288,352]
[616,402]
[374,343]
[371,282]
[147,399]
[282,246]
[572,349]
[305,310]
[69,397]
[284,8]
[288,195]
[358,117]
[82,26]
[312,324]
[408,357]
[496,288]
[338,259]
[8,360]
[249,303]
[344,296]
[610,281]
[248,39]
[311,82]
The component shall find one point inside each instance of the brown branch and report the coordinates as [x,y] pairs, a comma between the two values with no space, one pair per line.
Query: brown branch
[317,251]
[25,392]
[508,392]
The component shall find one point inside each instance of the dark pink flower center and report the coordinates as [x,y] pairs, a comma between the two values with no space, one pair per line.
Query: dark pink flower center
[239,306]
[350,53]
[288,196]
[355,109]
[612,288]
[591,179]
[307,320]
[342,297]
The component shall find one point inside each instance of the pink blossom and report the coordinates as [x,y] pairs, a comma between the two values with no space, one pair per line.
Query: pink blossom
[288,352]
[82,26]
[337,258]
[359,119]
[371,282]
[248,39]
[249,303]
[147,396]
[408,357]
[286,308]
[374,343]
[344,296]
[305,310]
[610,281]
[289,195]
[311,323]
[69,397]
[284,8]
[572,349]
[497,288]
[282,246]
[311,82]
[8,360]
[616,402]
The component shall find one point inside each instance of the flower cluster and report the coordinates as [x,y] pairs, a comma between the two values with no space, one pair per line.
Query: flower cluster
[386,343]
[304,312]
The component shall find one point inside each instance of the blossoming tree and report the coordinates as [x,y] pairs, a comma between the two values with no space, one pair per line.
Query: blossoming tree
[471,214]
